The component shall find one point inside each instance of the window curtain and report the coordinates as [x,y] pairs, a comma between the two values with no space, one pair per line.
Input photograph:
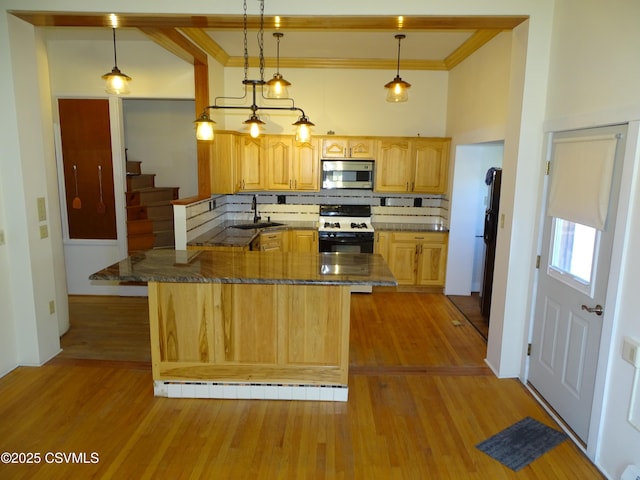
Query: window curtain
[581,173]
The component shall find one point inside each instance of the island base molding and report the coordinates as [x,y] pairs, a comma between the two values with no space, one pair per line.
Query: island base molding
[255,391]
[209,340]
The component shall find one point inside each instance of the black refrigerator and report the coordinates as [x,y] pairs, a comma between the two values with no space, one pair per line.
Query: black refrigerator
[493,179]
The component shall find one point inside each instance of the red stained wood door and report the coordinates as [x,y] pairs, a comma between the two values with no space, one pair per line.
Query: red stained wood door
[88,168]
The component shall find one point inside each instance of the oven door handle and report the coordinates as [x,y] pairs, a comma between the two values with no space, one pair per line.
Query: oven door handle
[346,240]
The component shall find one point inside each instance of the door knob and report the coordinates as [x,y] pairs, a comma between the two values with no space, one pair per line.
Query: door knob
[598,310]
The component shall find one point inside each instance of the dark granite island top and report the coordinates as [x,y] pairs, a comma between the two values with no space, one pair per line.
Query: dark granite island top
[202,266]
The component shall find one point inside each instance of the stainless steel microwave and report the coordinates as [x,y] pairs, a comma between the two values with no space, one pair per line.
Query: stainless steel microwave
[347,174]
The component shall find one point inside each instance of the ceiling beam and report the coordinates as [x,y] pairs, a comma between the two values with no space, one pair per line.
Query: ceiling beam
[176,43]
[473,43]
[234,22]
[206,43]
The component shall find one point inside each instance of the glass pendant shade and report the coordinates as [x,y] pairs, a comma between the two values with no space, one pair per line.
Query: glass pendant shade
[254,125]
[204,127]
[277,87]
[303,130]
[117,83]
[397,90]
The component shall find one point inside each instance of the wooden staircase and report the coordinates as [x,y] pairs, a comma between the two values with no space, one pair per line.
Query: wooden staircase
[149,211]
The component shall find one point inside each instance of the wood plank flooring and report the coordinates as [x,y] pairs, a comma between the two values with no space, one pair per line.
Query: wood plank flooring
[420,399]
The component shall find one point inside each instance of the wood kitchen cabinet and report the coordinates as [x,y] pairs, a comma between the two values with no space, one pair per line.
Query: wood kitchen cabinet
[418,258]
[381,244]
[292,165]
[272,241]
[348,147]
[306,165]
[412,165]
[252,165]
[304,241]
[224,157]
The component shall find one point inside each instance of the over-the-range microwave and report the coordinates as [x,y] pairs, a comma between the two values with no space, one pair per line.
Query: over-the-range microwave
[347,174]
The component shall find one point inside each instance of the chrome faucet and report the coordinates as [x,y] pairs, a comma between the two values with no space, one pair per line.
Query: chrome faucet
[254,208]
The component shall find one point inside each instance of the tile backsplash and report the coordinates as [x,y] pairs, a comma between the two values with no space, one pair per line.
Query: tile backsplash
[197,218]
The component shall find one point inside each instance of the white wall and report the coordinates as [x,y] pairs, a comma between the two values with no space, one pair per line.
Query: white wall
[594,79]
[477,110]
[32,262]
[350,102]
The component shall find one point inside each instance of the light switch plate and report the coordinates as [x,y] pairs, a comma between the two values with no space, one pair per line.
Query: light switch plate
[52,307]
[44,231]
[42,209]
[630,347]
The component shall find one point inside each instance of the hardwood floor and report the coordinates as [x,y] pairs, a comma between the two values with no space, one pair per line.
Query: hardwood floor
[420,399]
[469,306]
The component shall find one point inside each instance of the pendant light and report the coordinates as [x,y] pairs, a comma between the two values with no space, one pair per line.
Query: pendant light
[397,88]
[204,124]
[117,82]
[277,86]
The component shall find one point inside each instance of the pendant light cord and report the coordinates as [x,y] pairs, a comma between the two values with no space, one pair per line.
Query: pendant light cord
[115,55]
[399,37]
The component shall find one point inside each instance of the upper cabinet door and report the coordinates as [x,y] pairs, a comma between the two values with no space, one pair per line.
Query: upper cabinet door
[431,157]
[362,148]
[348,147]
[306,166]
[279,163]
[393,166]
[252,164]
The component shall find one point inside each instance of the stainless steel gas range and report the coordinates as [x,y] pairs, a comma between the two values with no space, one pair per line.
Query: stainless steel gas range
[345,228]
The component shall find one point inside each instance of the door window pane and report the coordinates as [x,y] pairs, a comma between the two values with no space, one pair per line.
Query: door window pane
[572,254]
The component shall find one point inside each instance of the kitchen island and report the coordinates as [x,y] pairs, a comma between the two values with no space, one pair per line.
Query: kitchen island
[249,324]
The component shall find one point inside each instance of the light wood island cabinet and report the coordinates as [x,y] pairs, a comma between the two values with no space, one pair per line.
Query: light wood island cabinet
[248,319]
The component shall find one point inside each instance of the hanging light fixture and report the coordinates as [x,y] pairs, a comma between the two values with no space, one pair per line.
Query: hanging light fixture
[204,124]
[117,82]
[397,88]
[277,86]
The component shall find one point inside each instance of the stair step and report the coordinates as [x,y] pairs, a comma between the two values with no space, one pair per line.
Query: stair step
[138,182]
[160,224]
[138,227]
[159,211]
[149,196]
[164,239]
[140,242]
[133,167]
[136,212]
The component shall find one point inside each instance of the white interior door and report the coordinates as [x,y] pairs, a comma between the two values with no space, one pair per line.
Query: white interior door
[572,284]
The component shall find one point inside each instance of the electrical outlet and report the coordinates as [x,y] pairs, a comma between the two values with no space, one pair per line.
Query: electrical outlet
[630,348]
[44,231]
[42,209]
[52,307]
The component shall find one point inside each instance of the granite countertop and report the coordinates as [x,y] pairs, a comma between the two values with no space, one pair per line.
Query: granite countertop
[203,266]
[227,236]
[409,227]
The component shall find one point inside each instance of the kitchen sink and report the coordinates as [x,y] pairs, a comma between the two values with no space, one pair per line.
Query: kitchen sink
[249,226]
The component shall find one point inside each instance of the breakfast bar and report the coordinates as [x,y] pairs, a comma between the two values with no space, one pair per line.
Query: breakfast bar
[250,324]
